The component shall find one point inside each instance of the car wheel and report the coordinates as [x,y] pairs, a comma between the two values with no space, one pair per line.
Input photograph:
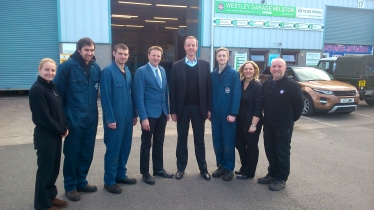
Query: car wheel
[308,106]
[369,102]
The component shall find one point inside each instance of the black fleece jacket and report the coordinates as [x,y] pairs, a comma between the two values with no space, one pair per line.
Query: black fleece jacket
[46,109]
[283,104]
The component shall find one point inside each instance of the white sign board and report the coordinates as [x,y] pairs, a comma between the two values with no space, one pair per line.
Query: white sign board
[312,59]
[360,3]
[302,12]
[68,48]
[240,58]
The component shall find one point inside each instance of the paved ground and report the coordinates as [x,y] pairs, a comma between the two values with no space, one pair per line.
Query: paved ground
[332,167]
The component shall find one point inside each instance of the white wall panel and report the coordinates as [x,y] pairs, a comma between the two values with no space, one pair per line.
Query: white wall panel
[85,18]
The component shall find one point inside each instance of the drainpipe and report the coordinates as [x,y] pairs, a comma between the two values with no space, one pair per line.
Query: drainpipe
[211,38]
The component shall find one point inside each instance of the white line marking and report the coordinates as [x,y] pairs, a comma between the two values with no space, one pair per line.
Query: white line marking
[100,126]
[363,115]
[320,121]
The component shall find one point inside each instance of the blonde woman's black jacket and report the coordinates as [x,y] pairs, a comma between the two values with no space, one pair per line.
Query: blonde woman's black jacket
[46,109]
[255,105]
[283,104]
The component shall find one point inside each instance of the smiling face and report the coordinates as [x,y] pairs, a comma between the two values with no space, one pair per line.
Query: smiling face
[87,52]
[222,57]
[248,71]
[154,57]
[47,71]
[190,45]
[278,68]
[121,56]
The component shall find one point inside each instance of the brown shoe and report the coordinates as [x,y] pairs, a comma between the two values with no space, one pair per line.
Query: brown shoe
[59,203]
[53,208]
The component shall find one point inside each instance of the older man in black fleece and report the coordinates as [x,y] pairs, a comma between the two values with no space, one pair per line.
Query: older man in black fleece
[283,104]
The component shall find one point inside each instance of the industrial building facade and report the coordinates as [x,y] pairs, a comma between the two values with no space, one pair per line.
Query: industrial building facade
[299,31]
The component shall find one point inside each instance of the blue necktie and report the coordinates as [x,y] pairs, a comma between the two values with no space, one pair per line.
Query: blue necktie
[158,78]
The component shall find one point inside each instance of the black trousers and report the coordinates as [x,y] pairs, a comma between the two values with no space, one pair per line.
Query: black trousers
[277,142]
[191,113]
[48,151]
[247,146]
[157,131]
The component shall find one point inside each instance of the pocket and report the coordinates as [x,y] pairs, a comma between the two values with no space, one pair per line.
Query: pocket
[77,84]
[119,84]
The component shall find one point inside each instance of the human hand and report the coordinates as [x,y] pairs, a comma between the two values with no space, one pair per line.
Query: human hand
[230,119]
[174,117]
[252,129]
[145,125]
[134,121]
[112,125]
[66,134]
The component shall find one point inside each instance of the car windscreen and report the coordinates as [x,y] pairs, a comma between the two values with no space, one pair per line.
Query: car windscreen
[311,74]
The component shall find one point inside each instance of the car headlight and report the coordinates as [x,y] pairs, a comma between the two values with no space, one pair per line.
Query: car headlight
[326,92]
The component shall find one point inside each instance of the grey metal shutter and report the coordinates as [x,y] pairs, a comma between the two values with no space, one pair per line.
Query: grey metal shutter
[28,33]
[349,26]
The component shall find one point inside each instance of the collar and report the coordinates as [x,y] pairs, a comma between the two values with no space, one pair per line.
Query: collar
[152,67]
[189,62]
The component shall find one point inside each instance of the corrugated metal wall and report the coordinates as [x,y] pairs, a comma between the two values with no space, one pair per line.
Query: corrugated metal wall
[357,27]
[85,18]
[28,33]
[270,38]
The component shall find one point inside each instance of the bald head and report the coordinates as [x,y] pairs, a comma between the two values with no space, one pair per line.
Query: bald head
[278,68]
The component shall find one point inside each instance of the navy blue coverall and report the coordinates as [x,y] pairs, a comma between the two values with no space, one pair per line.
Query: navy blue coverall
[226,95]
[79,93]
[118,107]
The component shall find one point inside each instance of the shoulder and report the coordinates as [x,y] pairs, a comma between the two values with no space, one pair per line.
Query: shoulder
[202,61]
[179,62]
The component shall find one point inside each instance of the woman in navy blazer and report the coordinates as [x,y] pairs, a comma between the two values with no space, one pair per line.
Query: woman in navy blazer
[249,119]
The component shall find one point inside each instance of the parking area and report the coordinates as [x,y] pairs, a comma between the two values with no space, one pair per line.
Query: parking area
[332,167]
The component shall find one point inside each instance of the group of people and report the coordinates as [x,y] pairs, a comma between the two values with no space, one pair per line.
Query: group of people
[63,103]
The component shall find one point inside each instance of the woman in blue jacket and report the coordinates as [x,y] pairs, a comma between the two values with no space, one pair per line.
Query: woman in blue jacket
[50,127]
[225,106]
[249,119]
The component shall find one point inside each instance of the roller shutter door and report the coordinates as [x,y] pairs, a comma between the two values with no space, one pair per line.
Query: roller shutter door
[28,33]
[349,26]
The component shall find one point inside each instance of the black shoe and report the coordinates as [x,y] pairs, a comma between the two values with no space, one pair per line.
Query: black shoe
[163,173]
[242,176]
[206,175]
[240,171]
[219,172]
[126,180]
[87,188]
[73,195]
[115,189]
[147,178]
[266,179]
[228,175]
[179,175]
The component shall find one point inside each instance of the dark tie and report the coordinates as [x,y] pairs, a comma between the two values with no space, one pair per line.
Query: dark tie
[158,78]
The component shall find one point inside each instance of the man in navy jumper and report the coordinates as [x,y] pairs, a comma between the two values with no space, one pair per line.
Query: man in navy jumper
[283,104]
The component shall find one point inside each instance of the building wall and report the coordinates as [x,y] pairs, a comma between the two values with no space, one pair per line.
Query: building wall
[271,38]
[84,18]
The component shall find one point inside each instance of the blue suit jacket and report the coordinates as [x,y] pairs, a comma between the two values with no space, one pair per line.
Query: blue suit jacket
[150,99]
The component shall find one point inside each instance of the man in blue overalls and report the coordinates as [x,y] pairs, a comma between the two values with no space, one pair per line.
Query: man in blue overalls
[226,95]
[77,82]
[119,116]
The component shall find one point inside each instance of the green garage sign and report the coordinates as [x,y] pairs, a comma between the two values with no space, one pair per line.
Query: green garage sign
[254,9]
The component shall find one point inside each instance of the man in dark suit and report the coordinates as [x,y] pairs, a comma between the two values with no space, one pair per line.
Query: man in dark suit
[151,100]
[190,100]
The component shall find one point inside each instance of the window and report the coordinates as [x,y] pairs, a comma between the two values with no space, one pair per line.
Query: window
[260,58]
[289,58]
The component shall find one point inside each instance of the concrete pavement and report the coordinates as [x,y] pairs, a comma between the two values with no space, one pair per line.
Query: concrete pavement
[332,167]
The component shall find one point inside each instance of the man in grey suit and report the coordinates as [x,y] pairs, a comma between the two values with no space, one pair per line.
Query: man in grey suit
[151,100]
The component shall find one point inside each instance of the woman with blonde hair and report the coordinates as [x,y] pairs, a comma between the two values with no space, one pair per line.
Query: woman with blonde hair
[249,119]
[50,127]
